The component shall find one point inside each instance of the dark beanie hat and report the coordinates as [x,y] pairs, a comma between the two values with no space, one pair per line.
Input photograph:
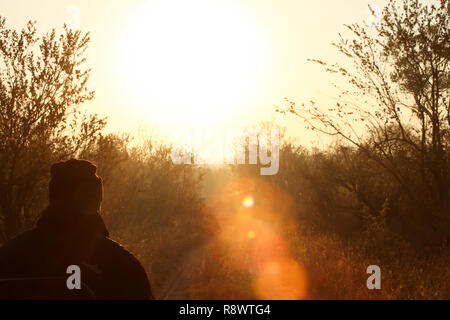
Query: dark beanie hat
[73,176]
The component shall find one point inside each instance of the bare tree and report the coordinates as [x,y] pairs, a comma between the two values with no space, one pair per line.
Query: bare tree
[400,75]
[42,83]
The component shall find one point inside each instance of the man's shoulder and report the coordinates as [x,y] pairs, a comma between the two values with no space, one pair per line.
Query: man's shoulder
[123,258]
[125,263]
[111,245]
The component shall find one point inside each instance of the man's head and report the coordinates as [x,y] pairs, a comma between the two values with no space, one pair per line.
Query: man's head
[75,184]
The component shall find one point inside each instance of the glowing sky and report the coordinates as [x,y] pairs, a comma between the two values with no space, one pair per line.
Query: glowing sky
[251,53]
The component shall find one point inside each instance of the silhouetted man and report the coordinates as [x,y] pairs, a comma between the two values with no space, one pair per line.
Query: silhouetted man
[71,232]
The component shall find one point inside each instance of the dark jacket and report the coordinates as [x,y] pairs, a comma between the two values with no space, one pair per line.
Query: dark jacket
[58,241]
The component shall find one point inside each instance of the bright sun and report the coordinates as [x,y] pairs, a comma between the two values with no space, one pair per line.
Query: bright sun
[191,62]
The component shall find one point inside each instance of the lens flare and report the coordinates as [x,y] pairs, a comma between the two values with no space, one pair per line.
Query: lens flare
[281,280]
[252,222]
[248,202]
